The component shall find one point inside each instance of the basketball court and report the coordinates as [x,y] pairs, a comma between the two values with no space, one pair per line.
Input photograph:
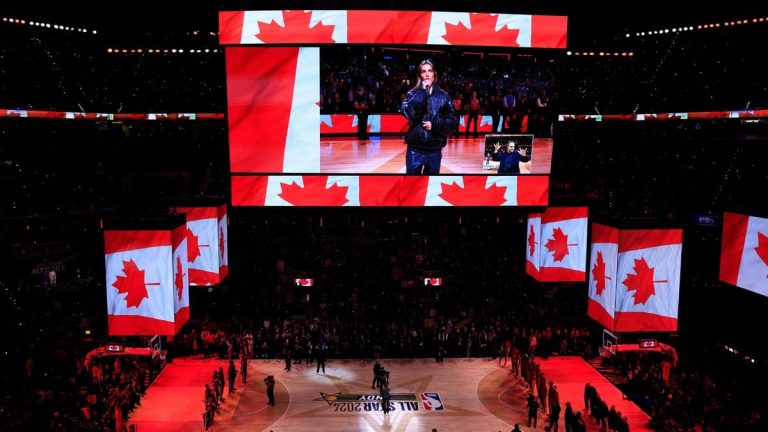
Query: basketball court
[455,395]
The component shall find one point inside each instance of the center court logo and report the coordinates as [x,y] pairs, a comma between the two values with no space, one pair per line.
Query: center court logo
[404,402]
[431,401]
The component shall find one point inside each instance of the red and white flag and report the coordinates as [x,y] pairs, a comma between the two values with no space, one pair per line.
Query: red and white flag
[180,277]
[744,254]
[223,242]
[389,191]
[533,245]
[648,280]
[139,281]
[304,282]
[602,276]
[316,190]
[433,281]
[564,239]
[202,244]
[293,27]
[393,191]
[464,28]
[471,191]
[273,111]
[312,27]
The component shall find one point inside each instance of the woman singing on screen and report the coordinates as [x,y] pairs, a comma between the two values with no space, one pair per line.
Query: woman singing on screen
[431,119]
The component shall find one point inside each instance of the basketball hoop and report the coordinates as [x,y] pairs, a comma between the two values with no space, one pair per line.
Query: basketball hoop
[610,342]
[606,352]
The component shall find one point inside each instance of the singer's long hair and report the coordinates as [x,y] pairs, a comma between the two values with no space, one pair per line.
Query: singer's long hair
[418,74]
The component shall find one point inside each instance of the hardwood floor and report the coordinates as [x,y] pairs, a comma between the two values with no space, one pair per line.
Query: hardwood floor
[455,395]
[386,155]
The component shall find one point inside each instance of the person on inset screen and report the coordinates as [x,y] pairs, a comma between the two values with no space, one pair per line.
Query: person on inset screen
[543,123]
[496,110]
[509,159]
[431,119]
[509,104]
[473,108]
[362,105]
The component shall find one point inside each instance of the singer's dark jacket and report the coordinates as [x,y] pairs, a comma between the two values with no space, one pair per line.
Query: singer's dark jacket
[437,108]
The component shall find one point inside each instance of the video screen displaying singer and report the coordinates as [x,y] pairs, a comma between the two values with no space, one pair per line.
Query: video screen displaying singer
[359,126]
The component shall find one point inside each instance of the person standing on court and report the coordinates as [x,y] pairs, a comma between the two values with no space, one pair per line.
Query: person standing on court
[321,353]
[270,382]
[385,398]
[244,366]
[232,375]
[362,104]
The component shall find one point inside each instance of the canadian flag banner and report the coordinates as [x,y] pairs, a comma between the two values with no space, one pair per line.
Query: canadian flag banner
[392,191]
[393,123]
[564,240]
[347,123]
[284,27]
[273,110]
[304,282]
[492,191]
[603,261]
[223,242]
[180,277]
[139,282]
[485,123]
[303,27]
[744,254]
[340,123]
[479,29]
[203,245]
[648,280]
[327,191]
[532,245]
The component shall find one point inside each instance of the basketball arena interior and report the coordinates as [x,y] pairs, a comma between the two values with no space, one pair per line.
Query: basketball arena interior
[383,216]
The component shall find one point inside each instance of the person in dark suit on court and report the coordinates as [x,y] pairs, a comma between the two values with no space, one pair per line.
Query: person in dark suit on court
[270,382]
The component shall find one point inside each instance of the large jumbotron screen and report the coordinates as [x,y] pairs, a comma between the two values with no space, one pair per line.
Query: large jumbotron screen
[295,136]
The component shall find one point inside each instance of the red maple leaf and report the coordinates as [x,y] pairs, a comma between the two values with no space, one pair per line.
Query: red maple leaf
[598,272]
[532,241]
[558,244]
[193,246]
[762,248]
[474,193]
[641,282]
[481,31]
[341,123]
[133,284]
[221,242]
[314,193]
[295,30]
[179,280]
